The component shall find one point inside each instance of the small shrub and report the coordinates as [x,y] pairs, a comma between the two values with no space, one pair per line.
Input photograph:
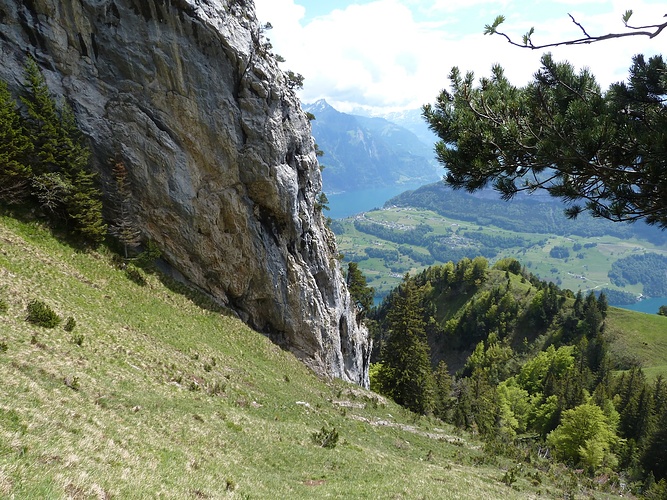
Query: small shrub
[326,438]
[77,338]
[134,274]
[40,314]
[512,475]
[3,346]
[70,323]
[72,381]
[3,306]
[216,389]
[149,256]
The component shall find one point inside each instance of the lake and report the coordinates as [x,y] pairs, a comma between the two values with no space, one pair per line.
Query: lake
[650,306]
[354,202]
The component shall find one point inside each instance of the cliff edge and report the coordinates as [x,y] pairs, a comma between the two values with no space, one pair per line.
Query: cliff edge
[219,153]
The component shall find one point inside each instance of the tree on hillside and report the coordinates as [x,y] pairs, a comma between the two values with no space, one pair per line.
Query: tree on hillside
[124,226]
[42,121]
[361,293]
[585,437]
[15,147]
[604,152]
[61,180]
[405,374]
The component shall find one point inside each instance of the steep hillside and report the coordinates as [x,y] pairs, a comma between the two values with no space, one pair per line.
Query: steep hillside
[508,304]
[363,152]
[220,156]
[521,361]
[155,392]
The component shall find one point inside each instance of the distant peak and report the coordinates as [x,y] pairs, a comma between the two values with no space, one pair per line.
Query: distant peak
[318,106]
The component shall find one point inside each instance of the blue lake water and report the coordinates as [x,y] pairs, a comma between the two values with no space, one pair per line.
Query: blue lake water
[650,306]
[350,203]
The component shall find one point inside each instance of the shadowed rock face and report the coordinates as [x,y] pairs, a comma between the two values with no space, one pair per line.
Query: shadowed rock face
[219,153]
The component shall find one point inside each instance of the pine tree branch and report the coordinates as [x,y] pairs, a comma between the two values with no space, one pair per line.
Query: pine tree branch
[650,31]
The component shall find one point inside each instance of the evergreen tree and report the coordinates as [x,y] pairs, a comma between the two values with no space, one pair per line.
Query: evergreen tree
[124,225]
[561,134]
[654,458]
[361,293]
[15,146]
[603,305]
[43,122]
[443,391]
[406,374]
[84,207]
[60,159]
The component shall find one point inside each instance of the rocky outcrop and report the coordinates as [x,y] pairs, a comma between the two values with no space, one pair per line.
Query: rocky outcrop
[218,150]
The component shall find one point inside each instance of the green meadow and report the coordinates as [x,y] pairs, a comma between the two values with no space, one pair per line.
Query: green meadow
[150,390]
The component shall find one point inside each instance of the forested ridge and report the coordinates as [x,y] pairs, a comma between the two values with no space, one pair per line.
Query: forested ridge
[525,364]
[649,269]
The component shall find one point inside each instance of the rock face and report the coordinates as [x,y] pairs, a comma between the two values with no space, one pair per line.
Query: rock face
[218,150]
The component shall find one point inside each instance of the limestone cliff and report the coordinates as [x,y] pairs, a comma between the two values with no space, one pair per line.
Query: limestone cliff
[219,152]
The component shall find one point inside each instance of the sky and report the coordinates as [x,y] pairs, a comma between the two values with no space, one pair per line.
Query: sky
[382,56]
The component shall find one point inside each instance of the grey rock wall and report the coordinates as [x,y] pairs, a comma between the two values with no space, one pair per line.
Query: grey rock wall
[219,152]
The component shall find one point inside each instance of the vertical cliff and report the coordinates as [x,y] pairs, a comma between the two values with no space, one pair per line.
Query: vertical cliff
[219,152]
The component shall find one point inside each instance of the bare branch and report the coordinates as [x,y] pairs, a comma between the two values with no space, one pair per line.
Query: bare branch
[650,31]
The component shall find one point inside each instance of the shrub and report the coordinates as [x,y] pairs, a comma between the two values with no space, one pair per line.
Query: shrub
[134,274]
[77,338]
[326,438]
[70,324]
[40,314]
[3,306]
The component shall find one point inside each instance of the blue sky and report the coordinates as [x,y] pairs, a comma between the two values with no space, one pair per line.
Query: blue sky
[390,55]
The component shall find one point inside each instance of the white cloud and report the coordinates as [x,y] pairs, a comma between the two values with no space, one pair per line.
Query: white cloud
[397,54]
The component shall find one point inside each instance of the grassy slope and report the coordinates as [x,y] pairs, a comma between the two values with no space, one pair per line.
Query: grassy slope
[639,337]
[165,398]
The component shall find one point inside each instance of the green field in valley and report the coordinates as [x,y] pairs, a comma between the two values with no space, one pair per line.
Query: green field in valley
[586,268]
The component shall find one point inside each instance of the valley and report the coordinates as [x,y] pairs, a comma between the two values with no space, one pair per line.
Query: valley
[573,261]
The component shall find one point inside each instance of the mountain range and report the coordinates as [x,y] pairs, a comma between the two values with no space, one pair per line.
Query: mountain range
[362,152]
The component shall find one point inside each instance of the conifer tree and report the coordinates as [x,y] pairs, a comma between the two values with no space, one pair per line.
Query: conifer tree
[361,293]
[15,147]
[42,121]
[406,375]
[124,226]
[603,152]
[84,203]
[62,181]
[443,391]
[84,207]
[654,458]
